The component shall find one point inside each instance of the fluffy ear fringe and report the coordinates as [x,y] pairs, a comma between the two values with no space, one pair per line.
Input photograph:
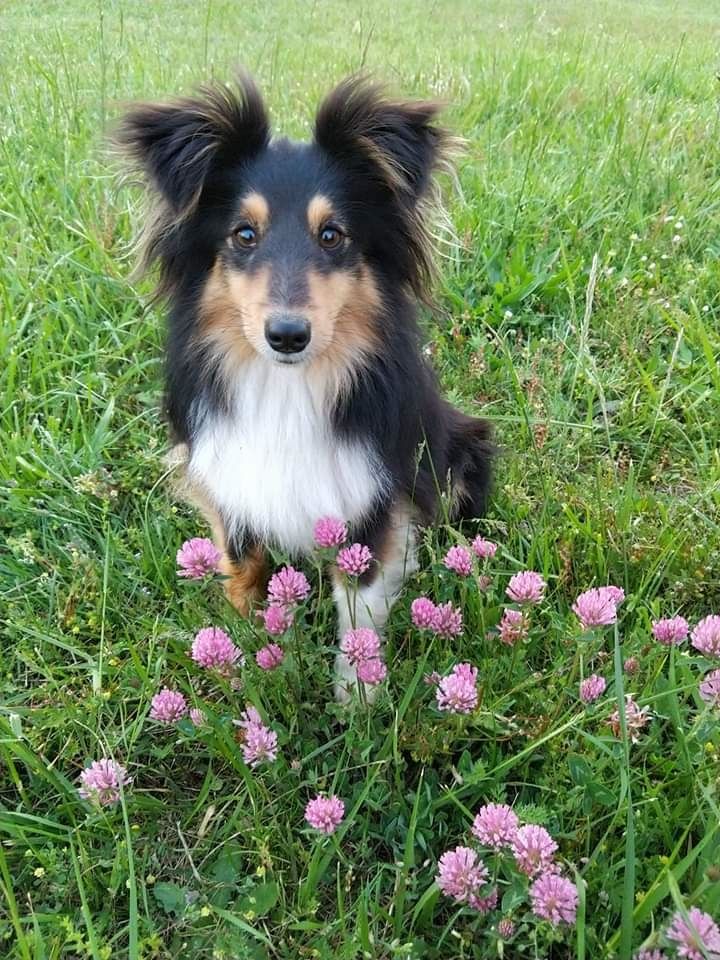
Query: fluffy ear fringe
[174,147]
[398,137]
[397,145]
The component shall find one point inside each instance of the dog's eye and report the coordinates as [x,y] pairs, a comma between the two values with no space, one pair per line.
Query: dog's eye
[245,236]
[330,238]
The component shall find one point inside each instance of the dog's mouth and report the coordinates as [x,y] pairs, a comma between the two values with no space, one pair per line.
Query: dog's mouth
[289,360]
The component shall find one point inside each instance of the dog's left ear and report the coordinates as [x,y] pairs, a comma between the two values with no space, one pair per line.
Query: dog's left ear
[395,142]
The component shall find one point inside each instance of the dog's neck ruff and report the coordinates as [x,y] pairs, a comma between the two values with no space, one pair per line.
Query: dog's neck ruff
[273,465]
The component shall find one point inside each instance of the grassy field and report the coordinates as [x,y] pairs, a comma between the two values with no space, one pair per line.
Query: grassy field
[580,312]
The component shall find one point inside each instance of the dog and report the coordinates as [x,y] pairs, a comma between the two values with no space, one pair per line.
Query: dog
[296,385]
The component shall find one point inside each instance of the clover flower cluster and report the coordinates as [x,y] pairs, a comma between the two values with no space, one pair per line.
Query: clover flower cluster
[526,850]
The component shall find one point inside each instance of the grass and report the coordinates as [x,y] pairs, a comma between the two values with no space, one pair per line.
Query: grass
[581,312]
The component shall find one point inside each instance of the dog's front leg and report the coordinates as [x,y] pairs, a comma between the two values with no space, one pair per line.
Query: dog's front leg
[243,561]
[245,567]
[368,603]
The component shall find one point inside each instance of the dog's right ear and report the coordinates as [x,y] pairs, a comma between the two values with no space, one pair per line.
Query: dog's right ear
[177,145]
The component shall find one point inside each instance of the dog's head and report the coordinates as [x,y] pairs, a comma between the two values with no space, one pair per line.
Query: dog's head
[291,250]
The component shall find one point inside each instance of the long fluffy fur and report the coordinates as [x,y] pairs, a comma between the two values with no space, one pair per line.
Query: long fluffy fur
[385,153]
[398,144]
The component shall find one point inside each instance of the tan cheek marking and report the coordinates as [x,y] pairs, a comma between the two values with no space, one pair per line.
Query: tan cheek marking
[319,211]
[254,208]
[250,292]
[329,294]
[358,322]
[344,313]
[215,306]
[232,311]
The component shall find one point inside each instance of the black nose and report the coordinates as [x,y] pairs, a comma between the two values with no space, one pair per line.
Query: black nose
[287,332]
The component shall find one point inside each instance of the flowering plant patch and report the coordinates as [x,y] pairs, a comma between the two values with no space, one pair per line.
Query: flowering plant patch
[507,873]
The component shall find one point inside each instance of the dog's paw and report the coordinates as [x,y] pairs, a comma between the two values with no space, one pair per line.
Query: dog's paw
[347,689]
[343,693]
[348,695]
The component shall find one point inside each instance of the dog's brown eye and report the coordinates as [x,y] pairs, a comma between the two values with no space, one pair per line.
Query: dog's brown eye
[245,236]
[330,238]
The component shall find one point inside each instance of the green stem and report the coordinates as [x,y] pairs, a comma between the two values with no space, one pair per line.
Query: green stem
[628,898]
[301,665]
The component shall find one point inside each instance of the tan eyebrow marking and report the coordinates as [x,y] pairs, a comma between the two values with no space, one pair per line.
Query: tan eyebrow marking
[255,208]
[319,211]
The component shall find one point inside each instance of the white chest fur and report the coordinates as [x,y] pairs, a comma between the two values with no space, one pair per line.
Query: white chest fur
[272,464]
